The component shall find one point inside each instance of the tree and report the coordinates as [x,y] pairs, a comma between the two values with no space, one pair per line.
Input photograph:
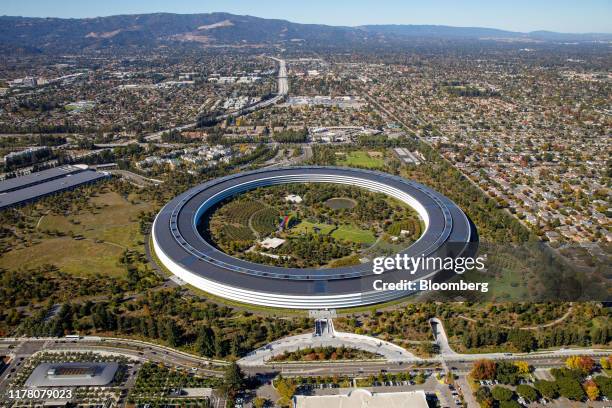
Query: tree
[506,373]
[523,367]
[220,345]
[591,389]
[233,380]
[205,342]
[510,404]
[576,375]
[547,388]
[604,384]
[570,388]
[527,392]
[172,333]
[606,362]
[582,363]
[502,393]
[484,397]
[522,340]
[483,370]
[260,402]
[286,389]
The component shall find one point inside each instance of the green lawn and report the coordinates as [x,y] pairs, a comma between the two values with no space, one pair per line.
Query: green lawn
[307,227]
[345,232]
[354,234]
[362,159]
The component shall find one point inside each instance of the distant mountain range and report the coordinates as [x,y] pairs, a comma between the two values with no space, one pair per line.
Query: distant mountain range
[151,30]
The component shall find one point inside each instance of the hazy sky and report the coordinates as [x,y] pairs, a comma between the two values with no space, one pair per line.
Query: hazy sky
[517,15]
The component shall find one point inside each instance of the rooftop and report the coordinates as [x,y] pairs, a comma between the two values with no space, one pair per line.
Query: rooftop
[361,398]
[271,243]
[39,177]
[34,186]
[72,374]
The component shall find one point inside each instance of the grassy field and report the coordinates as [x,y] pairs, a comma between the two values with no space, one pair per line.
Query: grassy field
[103,235]
[307,227]
[346,232]
[114,221]
[354,234]
[362,159]
[71,256]
[507,287]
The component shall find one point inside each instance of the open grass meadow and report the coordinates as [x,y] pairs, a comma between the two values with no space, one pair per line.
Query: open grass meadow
[88,242]
[355,234]
[307,227]
[362,159]
[349,233]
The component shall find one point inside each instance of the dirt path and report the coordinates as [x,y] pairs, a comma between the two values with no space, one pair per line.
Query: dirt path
[250,225]
[540,326]
[40,220]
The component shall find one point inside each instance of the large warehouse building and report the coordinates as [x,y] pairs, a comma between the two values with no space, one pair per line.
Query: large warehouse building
[193,259]
[34,186]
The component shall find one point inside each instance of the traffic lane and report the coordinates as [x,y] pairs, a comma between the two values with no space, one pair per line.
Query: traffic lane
[152,356]
[28,348]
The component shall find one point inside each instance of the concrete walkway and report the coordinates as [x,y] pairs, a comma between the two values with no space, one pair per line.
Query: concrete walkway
[440,337]
[389,351]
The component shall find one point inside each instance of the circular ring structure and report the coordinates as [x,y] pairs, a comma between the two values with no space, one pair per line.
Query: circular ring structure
[182,250]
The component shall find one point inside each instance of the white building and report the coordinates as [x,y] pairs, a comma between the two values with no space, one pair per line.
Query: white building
[271,243]
[293,198]
[360,398]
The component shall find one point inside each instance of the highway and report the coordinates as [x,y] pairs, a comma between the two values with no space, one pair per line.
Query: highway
[134,178]
[283,83]
[282,91]
[27,346]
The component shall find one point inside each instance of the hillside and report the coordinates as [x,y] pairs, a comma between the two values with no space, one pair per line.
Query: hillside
[153,30]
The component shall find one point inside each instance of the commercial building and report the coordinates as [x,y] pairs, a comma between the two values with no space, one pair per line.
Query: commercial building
[72,374]
[360,398]
[31,154]
[34,186]
[196,261]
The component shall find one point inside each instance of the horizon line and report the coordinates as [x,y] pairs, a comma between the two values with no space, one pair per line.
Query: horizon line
[322,24]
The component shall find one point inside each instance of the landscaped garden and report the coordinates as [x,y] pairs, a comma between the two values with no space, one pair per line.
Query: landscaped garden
[311,225]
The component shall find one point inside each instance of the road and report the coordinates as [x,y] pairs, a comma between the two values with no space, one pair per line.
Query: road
[25,347]
[19,349]
[281,160]
[136,179]
[283,83]
[282,91]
